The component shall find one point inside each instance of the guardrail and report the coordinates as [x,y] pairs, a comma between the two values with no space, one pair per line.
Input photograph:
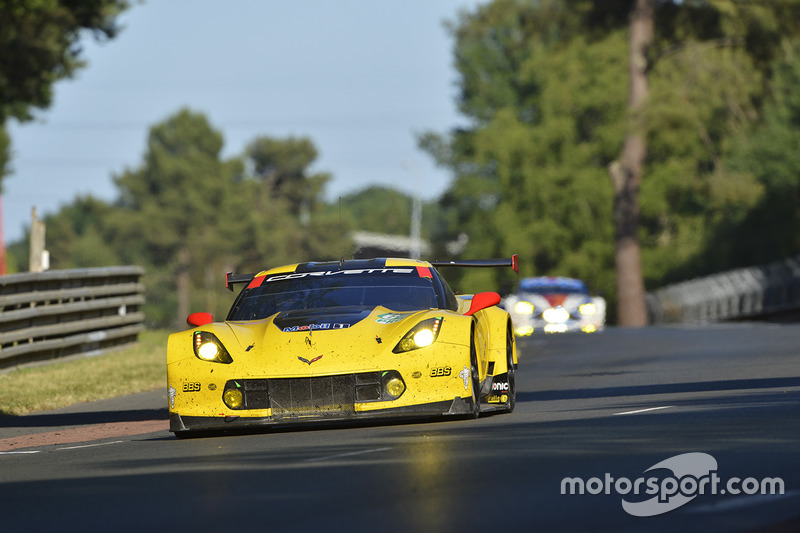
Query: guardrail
[764,291]
[47,315]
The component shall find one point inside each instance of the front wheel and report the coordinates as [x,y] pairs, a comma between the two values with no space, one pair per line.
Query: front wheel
[475,380]
[512,388]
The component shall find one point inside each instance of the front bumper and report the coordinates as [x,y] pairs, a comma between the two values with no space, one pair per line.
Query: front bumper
[293,400]
[524,326]
[183,424]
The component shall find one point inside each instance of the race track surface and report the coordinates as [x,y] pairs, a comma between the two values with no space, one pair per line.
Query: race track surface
[593,411]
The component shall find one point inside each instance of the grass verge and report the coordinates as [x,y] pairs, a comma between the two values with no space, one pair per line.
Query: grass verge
[86,379]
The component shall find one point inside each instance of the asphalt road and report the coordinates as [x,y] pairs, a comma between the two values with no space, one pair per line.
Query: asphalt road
[600,408]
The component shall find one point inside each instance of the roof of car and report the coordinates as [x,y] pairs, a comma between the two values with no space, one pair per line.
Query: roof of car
[348,264]
[549,281]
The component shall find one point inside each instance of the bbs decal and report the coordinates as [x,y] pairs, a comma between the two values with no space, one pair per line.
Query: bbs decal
[441,371]
[192,387]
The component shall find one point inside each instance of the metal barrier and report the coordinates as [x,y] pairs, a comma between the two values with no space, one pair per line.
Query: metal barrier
[47,315]
[756,292]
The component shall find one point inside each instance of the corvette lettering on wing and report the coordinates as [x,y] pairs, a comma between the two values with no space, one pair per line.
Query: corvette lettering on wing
[299,275]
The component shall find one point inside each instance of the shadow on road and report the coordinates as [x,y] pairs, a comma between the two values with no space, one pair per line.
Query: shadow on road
[82,418]
[649,390]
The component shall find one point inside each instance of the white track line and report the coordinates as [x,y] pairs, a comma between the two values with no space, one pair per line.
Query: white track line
[90,445]
[20,453]
[643,410]
[349,454]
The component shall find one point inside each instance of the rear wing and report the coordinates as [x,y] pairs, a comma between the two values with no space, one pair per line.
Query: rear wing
[231,279]
[512,262]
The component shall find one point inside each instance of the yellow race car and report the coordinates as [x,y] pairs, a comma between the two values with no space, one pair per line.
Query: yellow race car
[343,341]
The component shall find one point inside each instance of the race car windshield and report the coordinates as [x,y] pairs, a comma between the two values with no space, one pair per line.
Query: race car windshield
[395,292]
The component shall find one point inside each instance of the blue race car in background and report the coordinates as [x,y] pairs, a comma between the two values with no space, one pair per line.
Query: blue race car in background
[554,305]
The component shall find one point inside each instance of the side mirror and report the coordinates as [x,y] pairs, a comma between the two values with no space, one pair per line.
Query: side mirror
[199,319]
[481,301]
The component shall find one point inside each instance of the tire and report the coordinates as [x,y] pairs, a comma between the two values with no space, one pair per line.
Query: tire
[512,387]
[475,378]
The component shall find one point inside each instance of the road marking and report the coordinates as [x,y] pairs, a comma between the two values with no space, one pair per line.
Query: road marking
[90,445]
[643,410]
[19,453]
[349,454]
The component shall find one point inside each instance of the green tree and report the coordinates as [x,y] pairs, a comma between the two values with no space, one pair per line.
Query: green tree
[279,179]
[78,235]
[769,160]
[188,217]
[544,85]
[382,209]
[530,175]
[176,201]
[282,165]
[40,45]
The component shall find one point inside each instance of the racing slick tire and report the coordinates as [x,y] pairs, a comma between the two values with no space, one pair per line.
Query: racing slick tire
[512,388]
[475,379]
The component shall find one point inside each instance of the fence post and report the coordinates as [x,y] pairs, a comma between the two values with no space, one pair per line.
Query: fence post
[38,260]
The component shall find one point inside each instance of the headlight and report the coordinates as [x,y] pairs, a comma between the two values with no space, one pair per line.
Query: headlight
[208,348]
[556,315]
[523,331]
[422,335]
[588,309]
[233,398]
[395,387]
[524,308]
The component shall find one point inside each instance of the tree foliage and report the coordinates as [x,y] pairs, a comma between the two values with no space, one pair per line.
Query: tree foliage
[544,85]
[282,165]
[189,216]
[380,209]
[40,45]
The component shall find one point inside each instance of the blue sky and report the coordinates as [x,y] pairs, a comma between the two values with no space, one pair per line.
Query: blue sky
[360,79]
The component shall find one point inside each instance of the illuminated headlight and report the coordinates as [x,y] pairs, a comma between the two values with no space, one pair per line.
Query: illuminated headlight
[524,308]
[208,351]
[208,348]
[422,335]
[556,315]
[523,331]
[587,309]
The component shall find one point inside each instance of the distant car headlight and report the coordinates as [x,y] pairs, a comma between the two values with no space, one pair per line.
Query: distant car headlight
[588,309]
[523,331]
[207,347]
[556,315]
[524,308]
[422,335]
